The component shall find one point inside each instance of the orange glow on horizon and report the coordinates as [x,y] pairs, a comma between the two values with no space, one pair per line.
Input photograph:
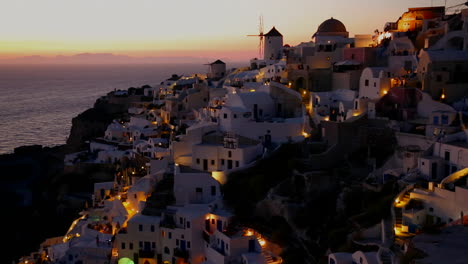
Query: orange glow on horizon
[241,50]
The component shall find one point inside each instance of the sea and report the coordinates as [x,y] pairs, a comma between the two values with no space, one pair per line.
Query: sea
[38,102]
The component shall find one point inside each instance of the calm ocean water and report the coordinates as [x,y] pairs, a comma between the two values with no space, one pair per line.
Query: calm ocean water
[38,102]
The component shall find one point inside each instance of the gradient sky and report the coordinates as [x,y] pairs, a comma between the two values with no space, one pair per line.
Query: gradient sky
[179,27]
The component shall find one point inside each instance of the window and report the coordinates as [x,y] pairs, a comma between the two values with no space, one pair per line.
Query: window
[212,162]
[447,155]
[152,228]
[188,244]
[235,115]
[229,154]
[166,250]
[237,163]
[222,162]
[225,116]
[198,190]
[439,78]
[177,242]
[123,245]
[431,209]
[130,245]
[163,234]
[435,120]
[140,244]
[227,246]
[188,224]
[213,190]
[181,220]
[153,244]
[140,228]
[212,221]
[422,163]
[198,161]
[170,234]
[444,120]
[375,84]
[366,83]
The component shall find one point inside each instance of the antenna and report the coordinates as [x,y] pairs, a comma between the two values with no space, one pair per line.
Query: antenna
[260,35]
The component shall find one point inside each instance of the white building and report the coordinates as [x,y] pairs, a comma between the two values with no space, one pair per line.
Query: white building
[217,70]
[445,203]
[139,240]
[374,82]
[273,45]
[192,187]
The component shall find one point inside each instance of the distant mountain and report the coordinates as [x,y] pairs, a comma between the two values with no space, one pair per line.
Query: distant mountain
[102,58]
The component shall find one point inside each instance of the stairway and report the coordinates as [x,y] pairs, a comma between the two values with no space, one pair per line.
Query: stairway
[398,216]
[385,257]
[269,258]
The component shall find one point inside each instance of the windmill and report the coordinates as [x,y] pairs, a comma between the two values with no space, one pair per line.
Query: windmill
[260,35]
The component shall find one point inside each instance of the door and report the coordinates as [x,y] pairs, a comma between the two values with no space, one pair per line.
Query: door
[182,245]
[252,245]
[205,164]
[222,246]
[219,225]
[279,110]
[434,170]
[255,111]
[229,164]
[147,246]
[207,225]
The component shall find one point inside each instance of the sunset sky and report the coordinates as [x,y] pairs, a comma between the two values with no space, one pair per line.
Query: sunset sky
[215,28]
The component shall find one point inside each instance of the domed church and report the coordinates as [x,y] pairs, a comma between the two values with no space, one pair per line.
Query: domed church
[332,27]
[331,30]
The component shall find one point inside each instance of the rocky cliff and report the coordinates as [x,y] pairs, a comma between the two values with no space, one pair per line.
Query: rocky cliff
[93,123]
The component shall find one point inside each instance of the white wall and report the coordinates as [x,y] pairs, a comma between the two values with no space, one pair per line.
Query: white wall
[216,153]
[186,184]
[444,203]
[273,47]
[376,86]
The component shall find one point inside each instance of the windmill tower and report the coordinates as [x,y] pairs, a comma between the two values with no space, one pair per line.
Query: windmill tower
[260,35]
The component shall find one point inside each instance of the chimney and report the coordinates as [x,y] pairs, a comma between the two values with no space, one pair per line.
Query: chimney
[431,186]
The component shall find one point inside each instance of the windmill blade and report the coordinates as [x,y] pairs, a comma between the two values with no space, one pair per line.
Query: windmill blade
[261,25]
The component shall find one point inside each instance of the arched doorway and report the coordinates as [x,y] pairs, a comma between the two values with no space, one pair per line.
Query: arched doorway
[299,84]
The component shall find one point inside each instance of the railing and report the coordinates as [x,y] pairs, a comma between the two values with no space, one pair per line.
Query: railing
[206,236]
[181,253]
[146,253]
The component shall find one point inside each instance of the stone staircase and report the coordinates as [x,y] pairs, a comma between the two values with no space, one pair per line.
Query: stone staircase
[399,210]
[270,258]
[385,256]
[398,217]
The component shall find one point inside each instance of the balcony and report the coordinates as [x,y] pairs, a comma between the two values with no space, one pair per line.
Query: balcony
[206,236]
[181,253]
[146,253]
